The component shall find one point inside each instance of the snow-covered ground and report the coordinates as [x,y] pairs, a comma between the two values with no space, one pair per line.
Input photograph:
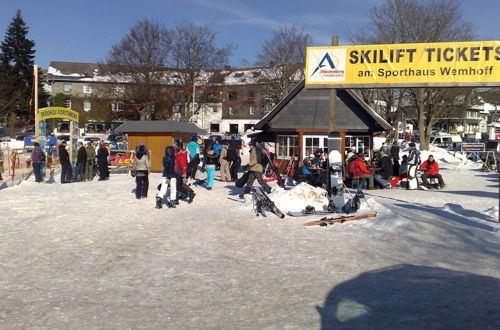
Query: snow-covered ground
[91,256]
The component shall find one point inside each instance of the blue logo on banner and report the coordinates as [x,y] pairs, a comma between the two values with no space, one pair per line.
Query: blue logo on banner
[321,64]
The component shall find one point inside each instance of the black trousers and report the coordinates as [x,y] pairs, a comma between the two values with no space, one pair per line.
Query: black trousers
[251,178]
[193,167]
[142,185]
[426,177]
[235,166]
[103,170]
[66,173]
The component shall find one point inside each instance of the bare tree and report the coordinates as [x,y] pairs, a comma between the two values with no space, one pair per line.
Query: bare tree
[284,55]
[194,54]
[139,60]
[413,21]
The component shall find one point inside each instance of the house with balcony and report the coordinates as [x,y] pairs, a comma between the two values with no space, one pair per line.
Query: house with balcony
[239,101]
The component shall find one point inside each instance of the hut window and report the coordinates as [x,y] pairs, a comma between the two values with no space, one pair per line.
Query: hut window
[287,146]
[358,142]
[313,143]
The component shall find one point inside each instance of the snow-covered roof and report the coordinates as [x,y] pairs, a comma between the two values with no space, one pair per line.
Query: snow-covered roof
[90,72]
[158,126]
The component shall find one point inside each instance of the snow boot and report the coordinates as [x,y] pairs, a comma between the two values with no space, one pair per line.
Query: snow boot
[159,202]
[171,204]
[191,197]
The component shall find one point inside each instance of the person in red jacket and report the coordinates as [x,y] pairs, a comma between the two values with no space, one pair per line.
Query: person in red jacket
[431,170]
[181,164]
[357,168]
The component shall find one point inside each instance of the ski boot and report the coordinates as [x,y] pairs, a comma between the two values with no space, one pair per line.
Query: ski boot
[159,202]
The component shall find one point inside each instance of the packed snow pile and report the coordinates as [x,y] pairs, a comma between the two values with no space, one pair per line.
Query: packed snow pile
[300,196]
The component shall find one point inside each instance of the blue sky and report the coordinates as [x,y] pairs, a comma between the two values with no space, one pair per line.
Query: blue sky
[84,30]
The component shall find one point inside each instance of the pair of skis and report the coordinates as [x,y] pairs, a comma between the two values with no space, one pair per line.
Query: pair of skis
[330,221]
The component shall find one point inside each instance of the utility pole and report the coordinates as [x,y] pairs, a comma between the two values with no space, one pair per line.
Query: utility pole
[35,101]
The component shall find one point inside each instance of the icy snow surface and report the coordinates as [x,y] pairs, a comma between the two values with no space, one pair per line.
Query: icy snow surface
[91,256]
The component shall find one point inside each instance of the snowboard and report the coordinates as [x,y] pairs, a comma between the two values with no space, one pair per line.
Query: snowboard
[264,203]
[309,210]
[330,221]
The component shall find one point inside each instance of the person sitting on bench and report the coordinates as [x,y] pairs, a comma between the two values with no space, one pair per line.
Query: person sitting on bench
[431,171]
[358,170]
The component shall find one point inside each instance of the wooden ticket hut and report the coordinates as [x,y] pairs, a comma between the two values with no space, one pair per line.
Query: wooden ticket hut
[157,135]
[299,123]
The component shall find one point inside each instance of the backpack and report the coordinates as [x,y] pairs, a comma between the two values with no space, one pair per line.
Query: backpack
[258,153]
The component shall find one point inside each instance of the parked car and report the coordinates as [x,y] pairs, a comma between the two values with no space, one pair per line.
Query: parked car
[115,137]
[446,141]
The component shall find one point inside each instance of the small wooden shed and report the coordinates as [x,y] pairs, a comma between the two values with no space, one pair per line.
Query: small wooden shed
[157,135]
[299,123]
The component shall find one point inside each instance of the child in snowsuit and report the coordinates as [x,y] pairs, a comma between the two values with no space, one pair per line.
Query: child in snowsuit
[168,180]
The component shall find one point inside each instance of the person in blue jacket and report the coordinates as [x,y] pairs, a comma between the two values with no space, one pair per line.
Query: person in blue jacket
[168,180]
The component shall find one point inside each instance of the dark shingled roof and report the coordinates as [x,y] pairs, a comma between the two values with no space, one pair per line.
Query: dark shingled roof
[158,126]
[309,108]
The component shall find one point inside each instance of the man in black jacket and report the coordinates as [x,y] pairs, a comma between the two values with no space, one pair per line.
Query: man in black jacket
[81,160]
[385,169]
[66,171]
[102,162]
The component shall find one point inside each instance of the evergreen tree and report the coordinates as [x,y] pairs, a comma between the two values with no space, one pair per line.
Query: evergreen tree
[16,70]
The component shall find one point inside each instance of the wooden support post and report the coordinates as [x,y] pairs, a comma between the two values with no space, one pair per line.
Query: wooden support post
[333,136]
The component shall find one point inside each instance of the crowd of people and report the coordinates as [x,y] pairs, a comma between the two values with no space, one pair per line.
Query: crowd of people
[180,165]
[182,161]
[386,169]
[89,162]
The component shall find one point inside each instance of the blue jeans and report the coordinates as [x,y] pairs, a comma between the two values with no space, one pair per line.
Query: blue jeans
[210,175]
[37,170]
[381,181]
